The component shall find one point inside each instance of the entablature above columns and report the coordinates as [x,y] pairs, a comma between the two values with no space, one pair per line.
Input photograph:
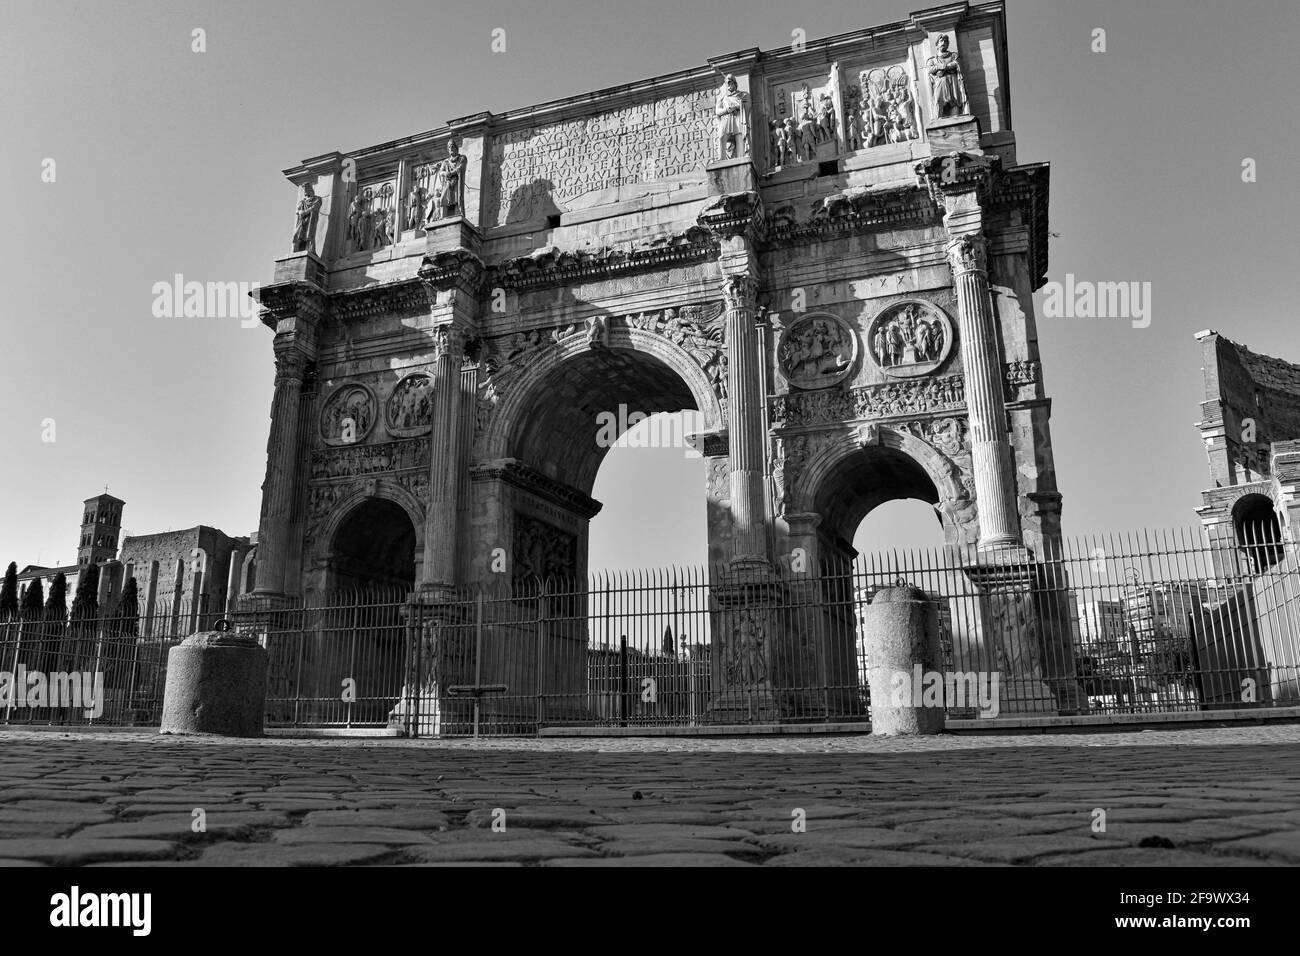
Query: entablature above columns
[526,478]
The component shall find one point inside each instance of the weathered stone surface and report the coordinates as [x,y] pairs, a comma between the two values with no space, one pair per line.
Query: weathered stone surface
[216,684]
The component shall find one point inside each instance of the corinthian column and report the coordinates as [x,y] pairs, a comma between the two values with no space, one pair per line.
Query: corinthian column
[445,456]
[745,426]
[281,471]
[995,483]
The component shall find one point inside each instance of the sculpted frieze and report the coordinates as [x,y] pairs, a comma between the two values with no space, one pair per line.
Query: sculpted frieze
[358,460]
[543,551]
[870,401]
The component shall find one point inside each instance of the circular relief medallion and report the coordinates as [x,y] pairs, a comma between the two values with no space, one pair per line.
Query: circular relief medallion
[817,350]
[410,407]
[348,415]
[910,339]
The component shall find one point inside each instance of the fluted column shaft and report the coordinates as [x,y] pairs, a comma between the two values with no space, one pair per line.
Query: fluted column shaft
[745,427]
[445,455]
[995,482]
[281,472]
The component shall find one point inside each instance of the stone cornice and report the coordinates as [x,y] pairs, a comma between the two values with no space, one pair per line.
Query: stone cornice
[291,300]
[858,210]
[736,215]
[405,298]
[456,269]
[529,479]
[959,172]
[553,267]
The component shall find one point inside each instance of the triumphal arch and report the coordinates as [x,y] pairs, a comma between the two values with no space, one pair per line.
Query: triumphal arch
[828,250]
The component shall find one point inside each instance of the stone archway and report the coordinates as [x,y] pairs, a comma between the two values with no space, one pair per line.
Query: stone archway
[373,544]
[1257,531]
[840,477]
[547,435]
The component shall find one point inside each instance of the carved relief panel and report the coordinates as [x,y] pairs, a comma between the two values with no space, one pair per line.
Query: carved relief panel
[542,550]
[372,216]
[817,350]
[910,339]
[348,415]
[410,406]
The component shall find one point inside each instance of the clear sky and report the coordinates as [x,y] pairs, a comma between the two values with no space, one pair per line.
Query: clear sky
[169,161]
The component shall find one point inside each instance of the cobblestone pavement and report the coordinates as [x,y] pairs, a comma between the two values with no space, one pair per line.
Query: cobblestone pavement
[1220,797]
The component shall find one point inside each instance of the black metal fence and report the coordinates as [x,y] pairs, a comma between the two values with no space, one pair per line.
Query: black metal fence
[1140,624]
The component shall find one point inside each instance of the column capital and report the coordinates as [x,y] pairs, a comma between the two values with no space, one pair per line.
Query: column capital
[968,253]
[291,361]
[740,291]
[449,340]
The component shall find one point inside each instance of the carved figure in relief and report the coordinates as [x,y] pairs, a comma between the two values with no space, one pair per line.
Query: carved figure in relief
[825,118]
[380,228]
[352,404]
[357,220]
[449,185]
[748,664]
[418,198]
[305,227]
[807,117]
[815,347]
[793,141]
[731,109]
[908,338]
[947,89]
[598,331]
[852,128]
[412,403]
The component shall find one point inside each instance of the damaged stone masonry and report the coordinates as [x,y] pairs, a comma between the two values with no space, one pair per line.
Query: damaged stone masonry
[828,252]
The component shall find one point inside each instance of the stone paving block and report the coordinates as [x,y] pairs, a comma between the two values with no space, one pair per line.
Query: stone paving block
[485,845]
[851,856]
[411,819]
[656,860]
[82,813]
[652,831]
[393,836]
[166,826]
[538,819]
[858,837]
[279,854]
[1283,846]
[639,847]
[74,851]
[1144,856]
[1016,849]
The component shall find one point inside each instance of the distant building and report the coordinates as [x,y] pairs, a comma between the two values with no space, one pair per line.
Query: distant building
[201,568]
[1250,423]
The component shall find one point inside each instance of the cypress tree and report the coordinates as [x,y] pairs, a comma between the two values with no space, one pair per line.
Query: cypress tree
[9,593]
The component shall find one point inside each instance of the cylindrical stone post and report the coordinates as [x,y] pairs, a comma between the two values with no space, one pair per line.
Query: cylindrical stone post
[216,684]
[281,472]
[444,459]
[746,446]
[995,483]
[900,630]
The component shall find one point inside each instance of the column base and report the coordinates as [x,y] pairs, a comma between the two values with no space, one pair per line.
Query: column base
[745,705]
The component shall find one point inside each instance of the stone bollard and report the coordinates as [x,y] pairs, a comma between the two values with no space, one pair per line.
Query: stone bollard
[900,630]
[216,684]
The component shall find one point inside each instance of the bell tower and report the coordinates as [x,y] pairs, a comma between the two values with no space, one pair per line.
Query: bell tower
[101,524]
